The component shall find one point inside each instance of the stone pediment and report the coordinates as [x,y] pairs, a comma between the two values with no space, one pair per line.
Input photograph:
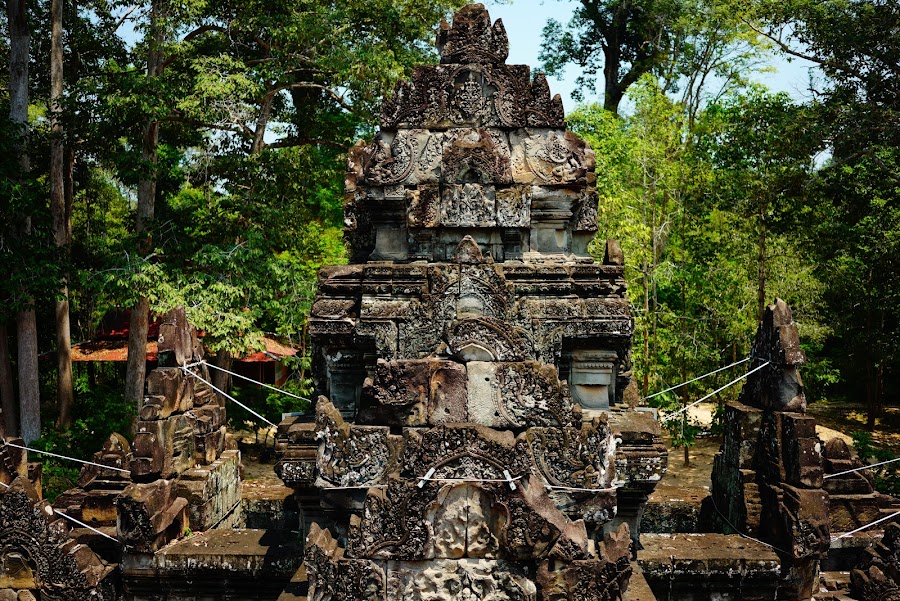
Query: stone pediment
[38,554]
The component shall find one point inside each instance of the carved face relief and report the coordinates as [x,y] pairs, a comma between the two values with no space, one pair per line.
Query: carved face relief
[386,163]
[467,205]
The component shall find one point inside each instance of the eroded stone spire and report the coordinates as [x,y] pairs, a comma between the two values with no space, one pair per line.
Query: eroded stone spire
[472,38]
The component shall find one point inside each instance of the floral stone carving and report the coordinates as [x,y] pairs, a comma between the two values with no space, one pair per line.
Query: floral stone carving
[39,555]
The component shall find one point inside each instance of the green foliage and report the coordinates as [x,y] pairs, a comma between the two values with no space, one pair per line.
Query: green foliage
[682,428]
[683,195]
[30,264]
[267,403]
[886,477]
[101,410]
[688,45]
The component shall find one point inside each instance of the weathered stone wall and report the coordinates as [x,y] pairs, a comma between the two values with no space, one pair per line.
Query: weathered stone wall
[175,479]
[183,478]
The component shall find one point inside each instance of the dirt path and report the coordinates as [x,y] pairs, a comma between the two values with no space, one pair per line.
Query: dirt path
[698,473]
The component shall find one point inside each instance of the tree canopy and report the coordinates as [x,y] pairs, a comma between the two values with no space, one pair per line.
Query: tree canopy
[204,149]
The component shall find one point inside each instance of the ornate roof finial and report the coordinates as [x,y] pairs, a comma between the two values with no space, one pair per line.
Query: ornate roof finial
[472,38]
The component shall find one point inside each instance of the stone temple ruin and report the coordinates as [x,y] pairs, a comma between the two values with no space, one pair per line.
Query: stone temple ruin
[470,354]
[471,438]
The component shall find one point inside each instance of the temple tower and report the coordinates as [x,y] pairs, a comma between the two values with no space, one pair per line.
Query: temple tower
[469,355]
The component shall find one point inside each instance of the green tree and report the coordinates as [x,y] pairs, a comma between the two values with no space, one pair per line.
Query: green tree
[762,150]
[679,194]
[858,111]
[624,38]
[692,45]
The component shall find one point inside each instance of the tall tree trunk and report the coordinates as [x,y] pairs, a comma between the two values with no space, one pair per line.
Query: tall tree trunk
[761,265]
[29,382]
[137,332]
[26,325]
[65,393]
[9,422]
[873,404]
[684,415]
[259,135]
[654,258]
[136,368]
[612,90]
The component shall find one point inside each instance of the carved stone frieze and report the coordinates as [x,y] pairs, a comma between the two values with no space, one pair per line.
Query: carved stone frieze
[449,518]
[36,542]
[549,157]
[352,455]
[472,38]
[575,457]
[480,156]
[475,95]
[517,394]
[463,451]
[468,205]
[461,579]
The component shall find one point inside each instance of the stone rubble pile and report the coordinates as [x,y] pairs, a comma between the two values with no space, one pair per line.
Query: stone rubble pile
[183,476]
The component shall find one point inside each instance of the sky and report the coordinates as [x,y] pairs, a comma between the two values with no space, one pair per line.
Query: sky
[524,20]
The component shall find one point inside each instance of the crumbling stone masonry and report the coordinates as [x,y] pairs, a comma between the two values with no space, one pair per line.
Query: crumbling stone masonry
[878,577]
[470,355]
[178,477]
[767,477]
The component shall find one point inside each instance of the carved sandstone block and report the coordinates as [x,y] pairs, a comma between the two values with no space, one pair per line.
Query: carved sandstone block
[170,387]
[517,394]
[212,491]
[163,448]
[150,515]
[352,455]
[459,579]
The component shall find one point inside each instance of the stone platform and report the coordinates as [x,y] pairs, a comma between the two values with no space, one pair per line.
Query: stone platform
[215,566]
[638,589]
[673,509]
[269,506]
[708,567]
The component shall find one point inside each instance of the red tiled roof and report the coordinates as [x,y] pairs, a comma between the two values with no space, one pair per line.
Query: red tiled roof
[117,350]
[108,350]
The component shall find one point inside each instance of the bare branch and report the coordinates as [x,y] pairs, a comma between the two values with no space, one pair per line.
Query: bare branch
[788,50]
[293,142]
[305,84]
[124,18]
